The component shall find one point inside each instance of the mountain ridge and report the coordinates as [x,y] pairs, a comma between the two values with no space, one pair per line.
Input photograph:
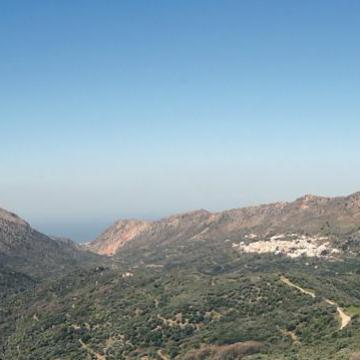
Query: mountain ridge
[309,213]
[27,252]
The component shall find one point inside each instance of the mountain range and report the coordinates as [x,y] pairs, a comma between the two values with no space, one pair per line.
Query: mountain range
[313,215]
[276,281]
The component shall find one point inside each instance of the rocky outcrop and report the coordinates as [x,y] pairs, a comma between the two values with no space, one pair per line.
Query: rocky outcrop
[112,239]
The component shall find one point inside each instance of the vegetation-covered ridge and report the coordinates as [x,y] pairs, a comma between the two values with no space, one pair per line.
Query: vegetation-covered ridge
[28,257]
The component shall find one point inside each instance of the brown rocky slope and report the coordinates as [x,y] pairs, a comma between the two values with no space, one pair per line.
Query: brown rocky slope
[337,217]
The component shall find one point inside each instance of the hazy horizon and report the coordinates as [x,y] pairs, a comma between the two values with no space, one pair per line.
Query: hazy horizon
[86,230]
[131,109]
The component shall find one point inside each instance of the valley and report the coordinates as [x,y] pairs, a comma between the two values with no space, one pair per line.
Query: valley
[260,283]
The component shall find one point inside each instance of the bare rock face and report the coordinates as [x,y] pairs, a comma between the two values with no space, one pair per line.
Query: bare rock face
[310,214]
[6,216]
[124,232]
[109,242]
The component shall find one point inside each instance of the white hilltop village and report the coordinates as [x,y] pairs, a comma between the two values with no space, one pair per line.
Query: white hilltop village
[292,245]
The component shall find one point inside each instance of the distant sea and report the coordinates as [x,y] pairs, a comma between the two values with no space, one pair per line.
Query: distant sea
[79,232]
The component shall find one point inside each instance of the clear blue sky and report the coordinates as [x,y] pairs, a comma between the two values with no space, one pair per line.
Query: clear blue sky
[145,108]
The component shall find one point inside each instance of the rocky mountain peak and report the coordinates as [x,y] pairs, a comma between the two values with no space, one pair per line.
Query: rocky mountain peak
[11,218]
[310,198]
